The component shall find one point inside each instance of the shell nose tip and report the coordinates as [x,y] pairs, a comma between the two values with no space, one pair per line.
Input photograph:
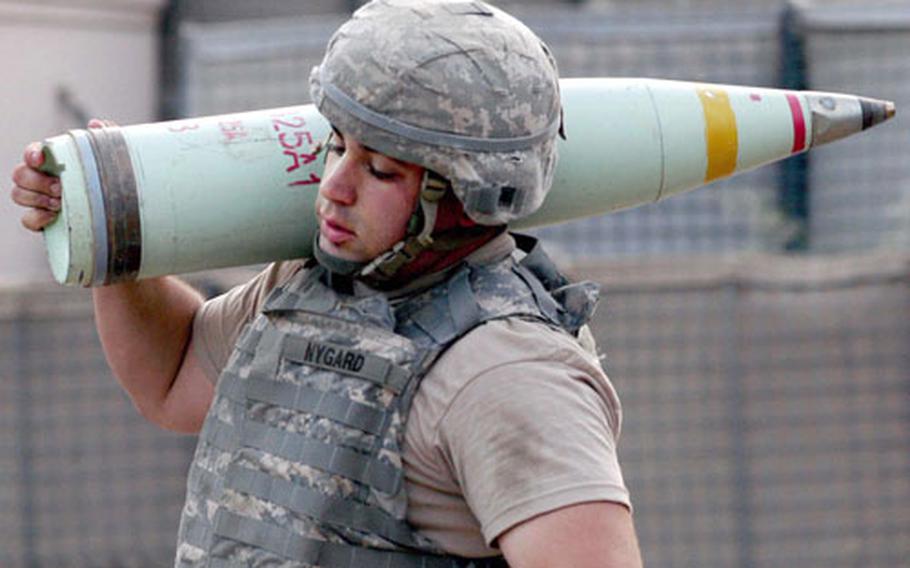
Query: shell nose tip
[890,110]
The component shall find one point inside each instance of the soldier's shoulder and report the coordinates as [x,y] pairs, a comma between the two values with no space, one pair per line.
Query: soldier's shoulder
[513,340]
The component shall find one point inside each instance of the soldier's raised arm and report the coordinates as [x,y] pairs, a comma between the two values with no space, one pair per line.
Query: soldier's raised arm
[145,327]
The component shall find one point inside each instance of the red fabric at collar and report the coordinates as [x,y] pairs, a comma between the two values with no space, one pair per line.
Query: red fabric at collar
[450,220]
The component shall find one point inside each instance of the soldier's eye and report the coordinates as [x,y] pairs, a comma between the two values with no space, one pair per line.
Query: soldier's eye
[380,175]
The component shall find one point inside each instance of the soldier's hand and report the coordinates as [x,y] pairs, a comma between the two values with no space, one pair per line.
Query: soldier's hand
[38,192]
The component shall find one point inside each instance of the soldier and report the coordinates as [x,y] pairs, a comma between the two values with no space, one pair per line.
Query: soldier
[424,392]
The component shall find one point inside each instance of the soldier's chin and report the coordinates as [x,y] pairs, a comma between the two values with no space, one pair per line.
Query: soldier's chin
[339,250]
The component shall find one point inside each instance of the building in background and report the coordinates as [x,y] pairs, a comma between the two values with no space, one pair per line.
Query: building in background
[63,62]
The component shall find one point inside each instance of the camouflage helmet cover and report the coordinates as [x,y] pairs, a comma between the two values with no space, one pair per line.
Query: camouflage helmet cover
[459,87]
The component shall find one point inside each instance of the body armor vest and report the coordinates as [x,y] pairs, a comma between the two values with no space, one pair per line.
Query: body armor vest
[299,460]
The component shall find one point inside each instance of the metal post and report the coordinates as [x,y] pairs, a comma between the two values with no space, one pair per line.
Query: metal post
[24,423]
[793,177]
[171,94]
[739,432]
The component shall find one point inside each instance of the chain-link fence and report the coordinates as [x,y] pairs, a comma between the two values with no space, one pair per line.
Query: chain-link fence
[767,397]
[83,480]
[860,192]
[767,419]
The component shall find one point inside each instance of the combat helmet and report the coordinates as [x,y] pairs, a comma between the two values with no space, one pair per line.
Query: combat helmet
[458,87]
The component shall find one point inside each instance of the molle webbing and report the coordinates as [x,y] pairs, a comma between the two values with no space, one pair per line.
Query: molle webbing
[306,501]
[306,399]
[198,534]
[330,458]
[329,554]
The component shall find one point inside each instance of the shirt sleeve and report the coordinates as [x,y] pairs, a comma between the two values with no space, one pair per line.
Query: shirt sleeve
[218,321]
[531,437]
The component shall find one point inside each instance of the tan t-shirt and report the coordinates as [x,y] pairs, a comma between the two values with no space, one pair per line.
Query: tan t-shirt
[514,420]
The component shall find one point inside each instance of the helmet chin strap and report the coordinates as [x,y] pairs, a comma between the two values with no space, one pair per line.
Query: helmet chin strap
[386,265]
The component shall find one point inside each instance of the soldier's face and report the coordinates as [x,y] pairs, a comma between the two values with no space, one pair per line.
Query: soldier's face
[365,200]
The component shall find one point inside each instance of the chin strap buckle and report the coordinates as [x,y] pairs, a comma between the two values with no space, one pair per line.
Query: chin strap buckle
[391,261]
[433,188]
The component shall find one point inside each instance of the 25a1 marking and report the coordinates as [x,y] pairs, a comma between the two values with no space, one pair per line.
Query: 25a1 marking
[296,142]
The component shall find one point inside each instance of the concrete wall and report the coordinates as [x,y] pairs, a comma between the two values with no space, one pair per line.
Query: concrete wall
[103,52]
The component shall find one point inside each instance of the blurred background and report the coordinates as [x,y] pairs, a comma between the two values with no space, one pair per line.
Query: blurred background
[758,330]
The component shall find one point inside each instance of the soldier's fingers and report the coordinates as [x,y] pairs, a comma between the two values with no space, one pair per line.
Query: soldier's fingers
[28,178]
[33,155]
[37,219]
[28,198]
